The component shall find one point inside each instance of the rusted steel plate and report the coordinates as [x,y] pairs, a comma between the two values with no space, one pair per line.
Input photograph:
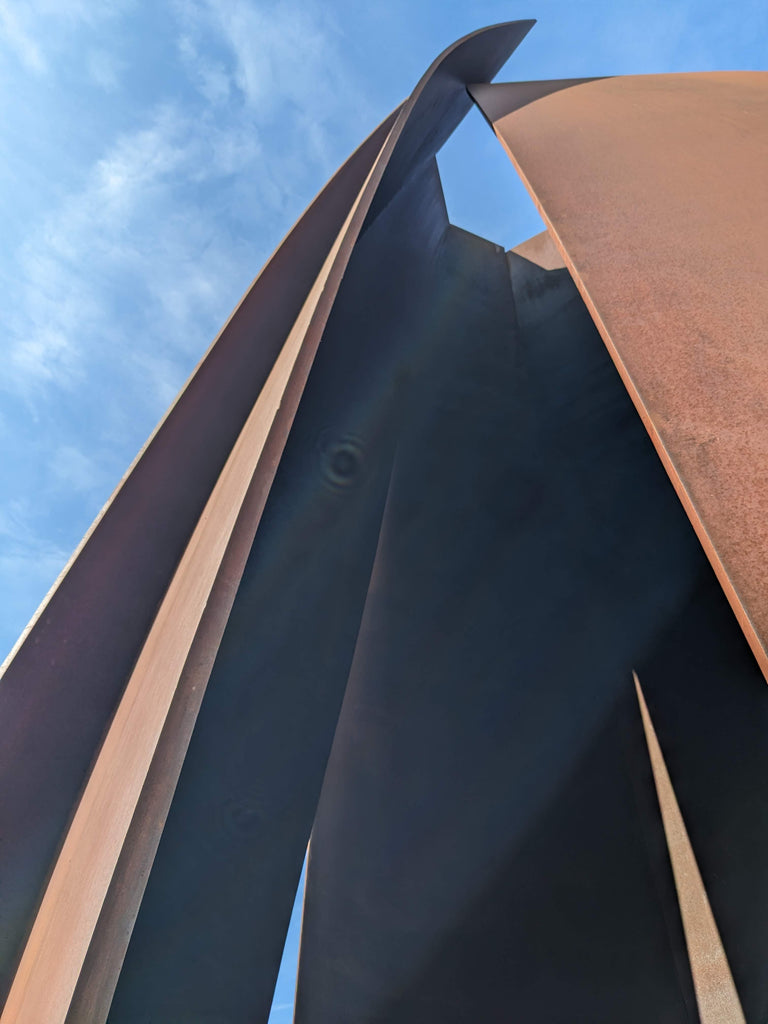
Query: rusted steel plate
[161,976]
[210,930]
[115,615]
[655,188]
[53,956]
[63,682]
[542,251]
[502,98]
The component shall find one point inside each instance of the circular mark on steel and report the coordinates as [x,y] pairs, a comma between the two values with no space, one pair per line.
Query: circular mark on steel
[342,459]
[344,464]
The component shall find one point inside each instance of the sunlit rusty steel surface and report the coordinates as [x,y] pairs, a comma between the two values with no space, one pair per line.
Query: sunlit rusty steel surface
[656,190]
[542,251]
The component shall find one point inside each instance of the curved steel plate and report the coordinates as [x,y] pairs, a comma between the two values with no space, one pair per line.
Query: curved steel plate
[655,190]
[63,682]
[105,608]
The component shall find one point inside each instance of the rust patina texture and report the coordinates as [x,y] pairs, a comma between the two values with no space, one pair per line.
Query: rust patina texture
[654,188]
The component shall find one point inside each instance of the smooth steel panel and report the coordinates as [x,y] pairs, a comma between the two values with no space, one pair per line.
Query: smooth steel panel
[210,930]
[488,845]
[655,188]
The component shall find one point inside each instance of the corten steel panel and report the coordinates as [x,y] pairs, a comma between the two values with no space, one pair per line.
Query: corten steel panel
[440,101]
[655,189]
[542,251]
[505,97]
[210,931]
[488,844]
[486,51]
[172,655]
[62,684]
[440,95]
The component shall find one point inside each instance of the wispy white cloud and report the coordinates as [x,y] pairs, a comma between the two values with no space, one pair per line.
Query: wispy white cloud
[209,75]
[46,354]
[104,69]
[142,258]
[73,470]
[31,29]
[134,249]
[19,39]
[284,60]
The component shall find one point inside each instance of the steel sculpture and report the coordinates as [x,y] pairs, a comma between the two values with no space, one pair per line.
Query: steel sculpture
[402,570]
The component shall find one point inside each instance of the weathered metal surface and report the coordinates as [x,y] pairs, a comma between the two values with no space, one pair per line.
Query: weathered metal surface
[502,98]
[487,825]
[542,251]
[52,961]
[91,898]
[488,845]
[62,685]
[209,933]
[440,101]
[655,188]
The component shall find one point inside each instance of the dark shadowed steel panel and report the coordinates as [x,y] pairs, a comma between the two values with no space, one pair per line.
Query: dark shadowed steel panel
[210,931]
[488,845]
[655,188]
[425,120]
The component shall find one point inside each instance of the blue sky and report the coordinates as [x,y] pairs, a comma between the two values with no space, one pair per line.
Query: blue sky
[153,155]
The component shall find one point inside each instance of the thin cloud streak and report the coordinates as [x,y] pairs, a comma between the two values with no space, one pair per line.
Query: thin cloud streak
[34,29]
